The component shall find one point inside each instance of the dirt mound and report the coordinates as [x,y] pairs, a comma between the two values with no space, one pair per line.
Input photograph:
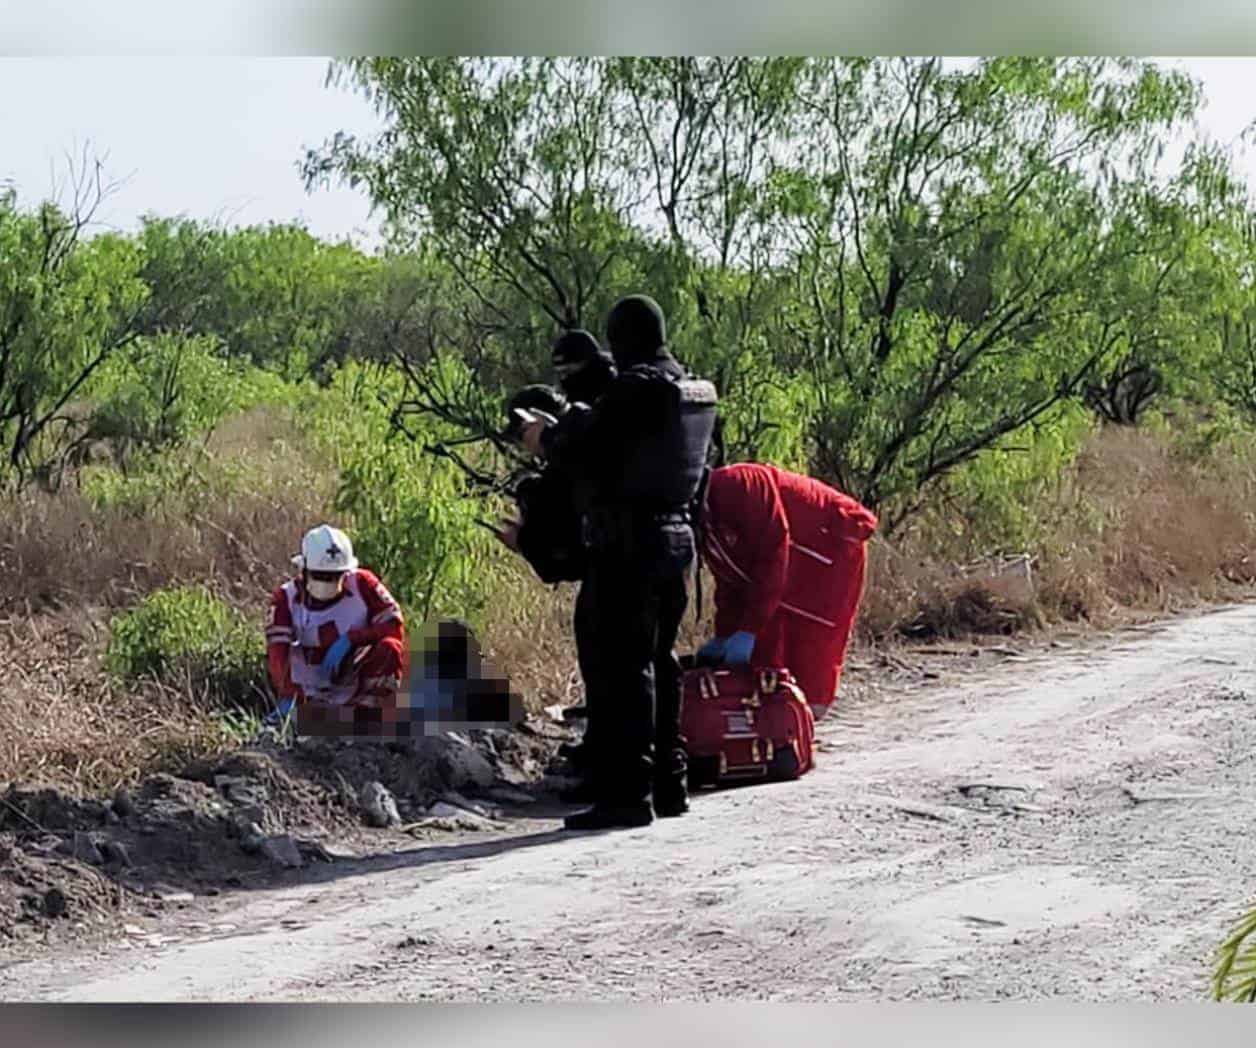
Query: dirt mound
[70,865]
[37,887]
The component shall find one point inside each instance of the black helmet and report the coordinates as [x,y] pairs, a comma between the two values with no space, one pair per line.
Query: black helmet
[635,329]
[532,398]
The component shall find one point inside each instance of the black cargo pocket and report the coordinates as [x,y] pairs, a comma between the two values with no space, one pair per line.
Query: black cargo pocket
[674,549]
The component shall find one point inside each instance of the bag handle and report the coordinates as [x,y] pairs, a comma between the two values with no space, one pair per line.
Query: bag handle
[708,687]
[768,682]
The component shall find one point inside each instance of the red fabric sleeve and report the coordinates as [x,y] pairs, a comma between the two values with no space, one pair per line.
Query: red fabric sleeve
[386,619]
[279,637]
[279,662]
[748,528]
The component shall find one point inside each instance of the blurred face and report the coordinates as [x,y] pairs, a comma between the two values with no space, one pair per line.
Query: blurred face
[325,585]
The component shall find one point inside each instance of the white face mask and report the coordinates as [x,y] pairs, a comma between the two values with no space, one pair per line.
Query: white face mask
[320,590]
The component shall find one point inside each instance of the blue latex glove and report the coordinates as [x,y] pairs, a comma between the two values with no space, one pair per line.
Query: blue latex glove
[334,657]
[713,650]
[739,648]
[280,713]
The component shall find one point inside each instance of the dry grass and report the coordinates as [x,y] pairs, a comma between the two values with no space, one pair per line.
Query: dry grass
[528,635]
[68,566]
[1135,526]
[64,723]
[60,551]
[1161,532]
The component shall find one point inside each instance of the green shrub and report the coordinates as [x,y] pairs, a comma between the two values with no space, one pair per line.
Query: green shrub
[766,414]
[173,389]
[178,481]
[187,635]
[410,514]
[137,493]
[173,484]
[1004,499]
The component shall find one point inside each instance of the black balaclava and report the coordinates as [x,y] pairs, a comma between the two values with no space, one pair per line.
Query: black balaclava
[585,369]
[635,330]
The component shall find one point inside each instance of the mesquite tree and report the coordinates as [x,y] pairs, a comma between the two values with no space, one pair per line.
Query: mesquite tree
[888,265]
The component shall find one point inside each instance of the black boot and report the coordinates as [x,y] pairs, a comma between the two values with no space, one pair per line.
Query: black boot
[671,785]
[607,817]
[671,799]
[581,793]
[671,807]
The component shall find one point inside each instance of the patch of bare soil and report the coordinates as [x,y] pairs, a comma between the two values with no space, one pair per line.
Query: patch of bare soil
[76,869]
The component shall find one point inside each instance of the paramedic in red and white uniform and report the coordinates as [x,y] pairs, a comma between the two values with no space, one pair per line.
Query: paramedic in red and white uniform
[335,636]
[788,555]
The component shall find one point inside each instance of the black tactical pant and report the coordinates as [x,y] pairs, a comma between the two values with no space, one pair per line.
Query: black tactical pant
[639,600]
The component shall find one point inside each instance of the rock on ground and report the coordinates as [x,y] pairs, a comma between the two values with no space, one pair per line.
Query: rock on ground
[379,806]
[283,851]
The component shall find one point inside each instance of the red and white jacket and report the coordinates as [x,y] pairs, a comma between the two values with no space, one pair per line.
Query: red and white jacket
[774,543]
[300,631]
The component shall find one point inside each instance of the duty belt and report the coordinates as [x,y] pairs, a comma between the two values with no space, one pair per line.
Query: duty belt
[606,526]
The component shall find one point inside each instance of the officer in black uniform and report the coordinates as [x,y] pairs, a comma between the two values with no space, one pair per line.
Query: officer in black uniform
[584,370]
[641,454]
[550,536]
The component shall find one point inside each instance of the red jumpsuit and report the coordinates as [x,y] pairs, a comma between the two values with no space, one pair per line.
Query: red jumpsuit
[300,631]
[788,555]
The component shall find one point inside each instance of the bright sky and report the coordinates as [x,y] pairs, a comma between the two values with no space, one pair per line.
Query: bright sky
[220,138]
[214,138]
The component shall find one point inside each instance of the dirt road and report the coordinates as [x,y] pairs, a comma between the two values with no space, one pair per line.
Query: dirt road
[1074,825]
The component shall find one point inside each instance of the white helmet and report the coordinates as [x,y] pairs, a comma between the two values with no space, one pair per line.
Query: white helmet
[325,548]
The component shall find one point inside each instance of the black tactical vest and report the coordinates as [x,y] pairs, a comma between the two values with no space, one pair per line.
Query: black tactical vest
[663,468]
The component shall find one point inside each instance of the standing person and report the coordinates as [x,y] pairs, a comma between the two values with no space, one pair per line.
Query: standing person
[788,555]
[555,500]
[335,635]
[641,456]
[549,535]
[585,370]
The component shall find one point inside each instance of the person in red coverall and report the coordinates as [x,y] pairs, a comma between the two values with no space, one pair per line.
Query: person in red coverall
[335,635]
[788,555]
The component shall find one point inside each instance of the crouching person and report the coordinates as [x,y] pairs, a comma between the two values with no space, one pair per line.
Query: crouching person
[336,643]
[788,555]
